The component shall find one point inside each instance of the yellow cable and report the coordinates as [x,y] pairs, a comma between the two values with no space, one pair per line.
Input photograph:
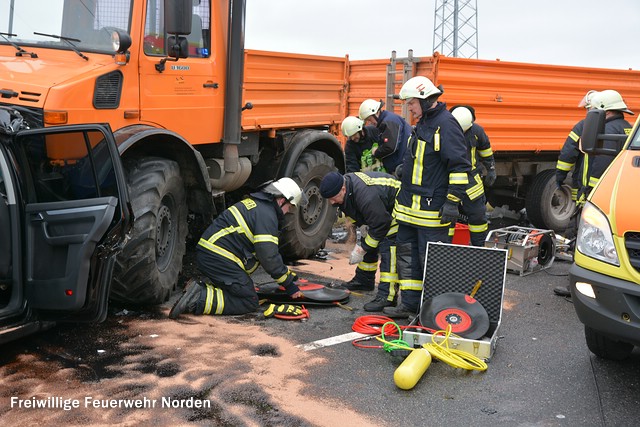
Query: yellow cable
[441,351]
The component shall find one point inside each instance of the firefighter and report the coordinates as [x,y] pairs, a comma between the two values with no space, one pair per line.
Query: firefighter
[394,132]
[435,175]
[593,166]
[368,199]
[240,239]
[363,142]
[571,158]
[474,202]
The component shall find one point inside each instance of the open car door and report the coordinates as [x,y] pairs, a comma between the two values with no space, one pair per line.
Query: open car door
[76,219]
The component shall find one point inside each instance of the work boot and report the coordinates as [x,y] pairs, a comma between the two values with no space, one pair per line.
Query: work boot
[399,312]
[188,301]
[378,304]
[562,291]
[356,285]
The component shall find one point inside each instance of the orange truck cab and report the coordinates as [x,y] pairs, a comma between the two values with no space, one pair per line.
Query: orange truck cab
[605,277]
[198,121]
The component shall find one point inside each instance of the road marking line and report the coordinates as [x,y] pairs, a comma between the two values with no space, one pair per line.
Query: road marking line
[331,341]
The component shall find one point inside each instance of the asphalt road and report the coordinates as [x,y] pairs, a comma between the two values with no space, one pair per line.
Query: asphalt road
[541,373]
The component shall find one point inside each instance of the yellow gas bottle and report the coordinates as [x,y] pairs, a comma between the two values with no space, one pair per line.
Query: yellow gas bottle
[412,368]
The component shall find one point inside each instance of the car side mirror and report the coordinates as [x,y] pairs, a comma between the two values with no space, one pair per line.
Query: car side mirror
[593,126]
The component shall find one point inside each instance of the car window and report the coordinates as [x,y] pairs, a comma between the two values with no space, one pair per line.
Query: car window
[69,166]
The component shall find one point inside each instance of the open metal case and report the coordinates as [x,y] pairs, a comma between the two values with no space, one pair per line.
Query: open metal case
[457,268]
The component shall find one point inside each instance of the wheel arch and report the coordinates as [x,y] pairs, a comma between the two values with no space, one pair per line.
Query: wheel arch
[140,141]
[310,139]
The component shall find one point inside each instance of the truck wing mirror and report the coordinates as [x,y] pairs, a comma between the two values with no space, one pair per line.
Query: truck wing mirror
[178,47]
[177,16]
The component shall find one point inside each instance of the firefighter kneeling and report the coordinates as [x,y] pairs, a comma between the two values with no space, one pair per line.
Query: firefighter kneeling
[239,240]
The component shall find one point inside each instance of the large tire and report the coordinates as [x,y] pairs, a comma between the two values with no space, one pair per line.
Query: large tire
[548,206]
[307,228]
[605,347]
[147,269]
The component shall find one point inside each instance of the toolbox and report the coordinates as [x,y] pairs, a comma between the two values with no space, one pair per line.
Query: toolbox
[456,269]
[529,249]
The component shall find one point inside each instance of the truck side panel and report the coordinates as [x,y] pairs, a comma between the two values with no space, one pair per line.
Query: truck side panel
[523,107]
[293,90]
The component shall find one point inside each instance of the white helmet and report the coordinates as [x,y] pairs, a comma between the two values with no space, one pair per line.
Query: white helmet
[418,87]
[464,117]
[368,108]
[351,125]
[289,190]
[586,100]
[609,100]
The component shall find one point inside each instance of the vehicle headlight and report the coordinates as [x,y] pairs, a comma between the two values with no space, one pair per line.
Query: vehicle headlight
[595,239]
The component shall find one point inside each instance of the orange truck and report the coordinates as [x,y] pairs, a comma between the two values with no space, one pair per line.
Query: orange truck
[169,78]
[605,277]
[198,120]
[526,109]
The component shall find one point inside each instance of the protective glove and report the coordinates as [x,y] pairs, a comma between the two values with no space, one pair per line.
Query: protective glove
[283,310]
[491,176]
[357,255]
[291,287]
[449,213]
[560,181]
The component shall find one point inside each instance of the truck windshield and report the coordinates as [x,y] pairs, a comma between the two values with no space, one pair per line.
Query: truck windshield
[89,21]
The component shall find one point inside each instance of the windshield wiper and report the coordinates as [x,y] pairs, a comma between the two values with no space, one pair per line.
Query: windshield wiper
[20,51]
[68,41]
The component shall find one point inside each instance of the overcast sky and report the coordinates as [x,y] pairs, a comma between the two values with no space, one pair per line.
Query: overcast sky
[595,33]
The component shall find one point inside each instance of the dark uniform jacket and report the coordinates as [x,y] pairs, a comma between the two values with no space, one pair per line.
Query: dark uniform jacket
[359,154]
[369,200]
[394,136]
[247,235]
[571,157]
[595,165]
[479,147]
[436,168]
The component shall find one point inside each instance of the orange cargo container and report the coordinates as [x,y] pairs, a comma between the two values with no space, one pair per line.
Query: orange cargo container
[526,109]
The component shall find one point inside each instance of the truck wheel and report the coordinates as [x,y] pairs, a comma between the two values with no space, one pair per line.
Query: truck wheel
[307,228]
[548,206]
[147,269]
[606,348]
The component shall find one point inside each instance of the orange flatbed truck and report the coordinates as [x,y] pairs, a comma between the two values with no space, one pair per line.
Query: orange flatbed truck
[199,120]
[526,109]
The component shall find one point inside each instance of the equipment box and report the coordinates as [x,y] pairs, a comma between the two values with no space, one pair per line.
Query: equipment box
[529,249]
[451,273]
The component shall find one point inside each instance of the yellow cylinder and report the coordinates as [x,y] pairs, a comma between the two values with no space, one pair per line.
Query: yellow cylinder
[412,368]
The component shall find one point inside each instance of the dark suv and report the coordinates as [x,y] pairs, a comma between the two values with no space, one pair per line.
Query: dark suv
[64,216]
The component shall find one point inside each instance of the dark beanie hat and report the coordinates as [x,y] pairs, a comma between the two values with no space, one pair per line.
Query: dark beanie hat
[331,184]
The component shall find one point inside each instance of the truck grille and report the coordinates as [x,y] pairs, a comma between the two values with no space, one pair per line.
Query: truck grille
[107,91]
[632,243]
